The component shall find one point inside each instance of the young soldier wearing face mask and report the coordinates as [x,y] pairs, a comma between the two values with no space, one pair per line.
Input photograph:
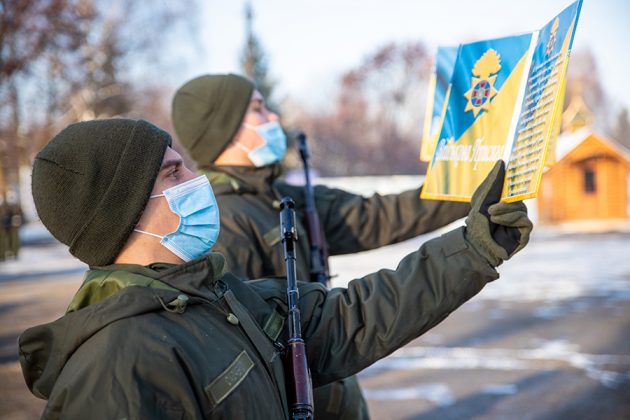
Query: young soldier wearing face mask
[237,142]
[160,329]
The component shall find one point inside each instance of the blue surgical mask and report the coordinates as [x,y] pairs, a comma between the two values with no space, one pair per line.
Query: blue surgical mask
[194,202]
[272,150]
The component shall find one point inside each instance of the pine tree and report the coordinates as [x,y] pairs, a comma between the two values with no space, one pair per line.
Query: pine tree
[254,59]
[621,130]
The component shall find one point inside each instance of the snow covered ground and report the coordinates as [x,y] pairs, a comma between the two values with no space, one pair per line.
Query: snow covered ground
[554,266]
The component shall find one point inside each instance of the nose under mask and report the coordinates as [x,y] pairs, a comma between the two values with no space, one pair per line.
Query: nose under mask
[274,147]
[195,204]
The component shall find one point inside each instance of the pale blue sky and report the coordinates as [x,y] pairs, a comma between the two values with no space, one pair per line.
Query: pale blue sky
[311,43]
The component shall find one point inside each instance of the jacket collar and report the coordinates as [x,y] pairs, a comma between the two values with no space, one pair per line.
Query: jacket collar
[45,349]
[196,278]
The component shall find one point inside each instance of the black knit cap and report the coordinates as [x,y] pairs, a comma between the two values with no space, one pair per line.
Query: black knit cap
[92,181]
[208,111]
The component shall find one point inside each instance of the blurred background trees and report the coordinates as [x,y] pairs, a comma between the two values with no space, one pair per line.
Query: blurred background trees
[374,122]
[584,80]
[255,61]
[63,61]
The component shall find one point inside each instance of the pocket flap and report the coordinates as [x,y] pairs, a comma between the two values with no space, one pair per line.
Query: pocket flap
[230,378]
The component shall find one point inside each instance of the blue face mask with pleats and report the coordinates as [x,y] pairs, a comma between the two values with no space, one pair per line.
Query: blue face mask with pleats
[272,150]
[194,202]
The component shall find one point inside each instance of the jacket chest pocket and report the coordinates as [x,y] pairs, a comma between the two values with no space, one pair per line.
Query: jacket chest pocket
[229,379]
[244,390]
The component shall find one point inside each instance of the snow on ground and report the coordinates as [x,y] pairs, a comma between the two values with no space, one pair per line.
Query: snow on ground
[557,264]
[545,356]
[553,266]
[566,267]
[368,185]
[437,393]
[41,256]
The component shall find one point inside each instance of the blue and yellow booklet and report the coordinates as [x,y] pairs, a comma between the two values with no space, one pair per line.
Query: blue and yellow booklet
[438,86]
[504,101]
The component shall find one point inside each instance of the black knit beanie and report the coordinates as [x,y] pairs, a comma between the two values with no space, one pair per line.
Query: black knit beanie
[92,181]
[208,111]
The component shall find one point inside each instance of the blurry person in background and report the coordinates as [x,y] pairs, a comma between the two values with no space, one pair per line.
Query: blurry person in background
[11,219]
[238,143]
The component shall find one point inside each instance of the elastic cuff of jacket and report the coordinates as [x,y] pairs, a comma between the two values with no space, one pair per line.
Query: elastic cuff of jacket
[480,250]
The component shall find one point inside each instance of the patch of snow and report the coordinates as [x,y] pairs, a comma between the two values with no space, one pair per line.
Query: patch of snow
[439,394]
[547,355]
[369,185]
[500,389]
[552,268]
[34,261]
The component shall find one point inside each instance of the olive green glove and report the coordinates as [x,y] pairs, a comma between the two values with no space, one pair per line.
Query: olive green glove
[496,230]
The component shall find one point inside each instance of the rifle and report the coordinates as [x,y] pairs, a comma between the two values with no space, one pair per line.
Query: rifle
[320,272]
[298,376]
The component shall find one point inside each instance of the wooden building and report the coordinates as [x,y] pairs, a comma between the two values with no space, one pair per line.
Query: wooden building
[589,180]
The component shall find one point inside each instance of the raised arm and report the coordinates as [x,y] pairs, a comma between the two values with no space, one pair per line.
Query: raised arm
[348,329]
[354,223]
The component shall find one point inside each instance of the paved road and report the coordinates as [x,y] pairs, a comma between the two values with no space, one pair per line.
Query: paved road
[549,340]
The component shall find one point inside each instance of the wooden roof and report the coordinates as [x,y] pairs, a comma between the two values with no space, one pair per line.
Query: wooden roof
[569,141]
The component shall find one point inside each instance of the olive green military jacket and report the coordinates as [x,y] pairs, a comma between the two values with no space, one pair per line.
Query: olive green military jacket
[190,341]
[249,200]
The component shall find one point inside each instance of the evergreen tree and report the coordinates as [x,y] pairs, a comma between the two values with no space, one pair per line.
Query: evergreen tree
[254,59]
[621,131]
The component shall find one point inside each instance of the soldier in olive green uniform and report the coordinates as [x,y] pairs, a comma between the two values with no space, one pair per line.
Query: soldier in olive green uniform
[160,329]
[13,223]
[224,124]
[4,237]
